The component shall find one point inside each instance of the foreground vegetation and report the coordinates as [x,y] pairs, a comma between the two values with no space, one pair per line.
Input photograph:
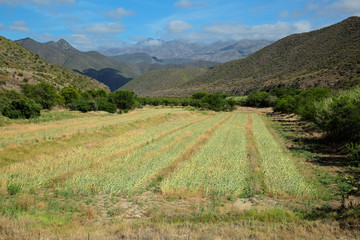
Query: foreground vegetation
[158,172]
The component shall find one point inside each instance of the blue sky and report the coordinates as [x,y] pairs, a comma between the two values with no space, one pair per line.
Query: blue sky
[93,25]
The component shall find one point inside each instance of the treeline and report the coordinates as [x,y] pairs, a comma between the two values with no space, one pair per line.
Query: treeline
[33,98]
[201,100]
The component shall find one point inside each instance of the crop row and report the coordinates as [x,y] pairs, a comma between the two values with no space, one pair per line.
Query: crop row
[282,177]
[220,166]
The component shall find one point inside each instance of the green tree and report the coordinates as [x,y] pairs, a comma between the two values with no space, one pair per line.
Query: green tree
[69,94]
[43,94]
[123,99]
[21,108]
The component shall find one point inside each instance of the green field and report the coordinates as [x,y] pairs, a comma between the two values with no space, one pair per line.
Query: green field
[156,172]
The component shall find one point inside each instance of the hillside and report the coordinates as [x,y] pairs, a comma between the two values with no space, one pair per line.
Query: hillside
[19,65]
[329,57]
[157,83]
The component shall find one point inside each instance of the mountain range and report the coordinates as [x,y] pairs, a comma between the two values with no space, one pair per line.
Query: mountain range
[328,57]
[180,49]
[115,71]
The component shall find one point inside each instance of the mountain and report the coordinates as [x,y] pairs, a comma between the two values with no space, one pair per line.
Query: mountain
[64,54]
[157,83]
[181,49]
[329,57]
[19,65]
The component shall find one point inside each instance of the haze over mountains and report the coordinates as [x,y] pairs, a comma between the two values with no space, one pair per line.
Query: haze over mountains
[216,52]
[329,57]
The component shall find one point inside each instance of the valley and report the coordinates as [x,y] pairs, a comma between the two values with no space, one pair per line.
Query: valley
[158,171]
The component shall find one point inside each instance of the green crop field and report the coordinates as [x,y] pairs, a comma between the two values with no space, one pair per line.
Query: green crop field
[155,172]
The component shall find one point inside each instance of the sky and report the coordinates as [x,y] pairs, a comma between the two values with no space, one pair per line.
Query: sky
[99,25]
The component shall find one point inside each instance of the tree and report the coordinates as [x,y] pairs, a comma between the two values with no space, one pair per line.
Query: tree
[21,108]
[69,94]
[123,99]
[43,94]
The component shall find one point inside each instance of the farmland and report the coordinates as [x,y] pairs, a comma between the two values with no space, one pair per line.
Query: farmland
[156,172]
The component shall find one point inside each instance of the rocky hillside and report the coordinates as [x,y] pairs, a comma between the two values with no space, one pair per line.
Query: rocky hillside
[18,65]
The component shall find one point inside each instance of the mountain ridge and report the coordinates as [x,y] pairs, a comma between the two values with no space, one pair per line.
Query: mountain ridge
[328,57]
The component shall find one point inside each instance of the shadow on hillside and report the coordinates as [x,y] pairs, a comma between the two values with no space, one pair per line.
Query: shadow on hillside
[109,76]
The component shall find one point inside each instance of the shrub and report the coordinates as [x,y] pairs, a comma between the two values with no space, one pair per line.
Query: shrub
[43,94]
[339,115]
[69,94]
[83,105]
[21,108]
[104,105]
[257,99]
[214,102]
[123,99]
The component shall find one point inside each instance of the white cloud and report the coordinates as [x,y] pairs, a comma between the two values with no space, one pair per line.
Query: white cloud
[2,26]
[185,4]
[119,13]
[178,26]
[102,28]
[19,26]
[226,32]
[351,7]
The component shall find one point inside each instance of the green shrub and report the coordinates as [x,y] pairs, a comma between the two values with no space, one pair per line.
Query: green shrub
[214,102]
[123,99]
[339,115]
[258,99]
[43,94]
[83,105]
[103,105]
[69,94]
[21,108]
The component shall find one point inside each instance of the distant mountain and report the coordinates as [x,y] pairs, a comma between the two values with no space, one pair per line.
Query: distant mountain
[18,65]
[157,83]
[180,49]
[115,71]
[329,57]
[63,53]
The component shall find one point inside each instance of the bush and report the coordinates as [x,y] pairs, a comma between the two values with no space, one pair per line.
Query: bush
[21,108]
[123,99]
[258,99]
[43,94]
[339,115]
[83,105]
[214,102]
[69,94]
[104,105]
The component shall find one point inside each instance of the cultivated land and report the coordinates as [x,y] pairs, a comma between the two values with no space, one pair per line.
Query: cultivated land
[163,173]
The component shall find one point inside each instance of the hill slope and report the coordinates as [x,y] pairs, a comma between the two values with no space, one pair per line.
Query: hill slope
[326,57]
[158,83]
[19,65]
